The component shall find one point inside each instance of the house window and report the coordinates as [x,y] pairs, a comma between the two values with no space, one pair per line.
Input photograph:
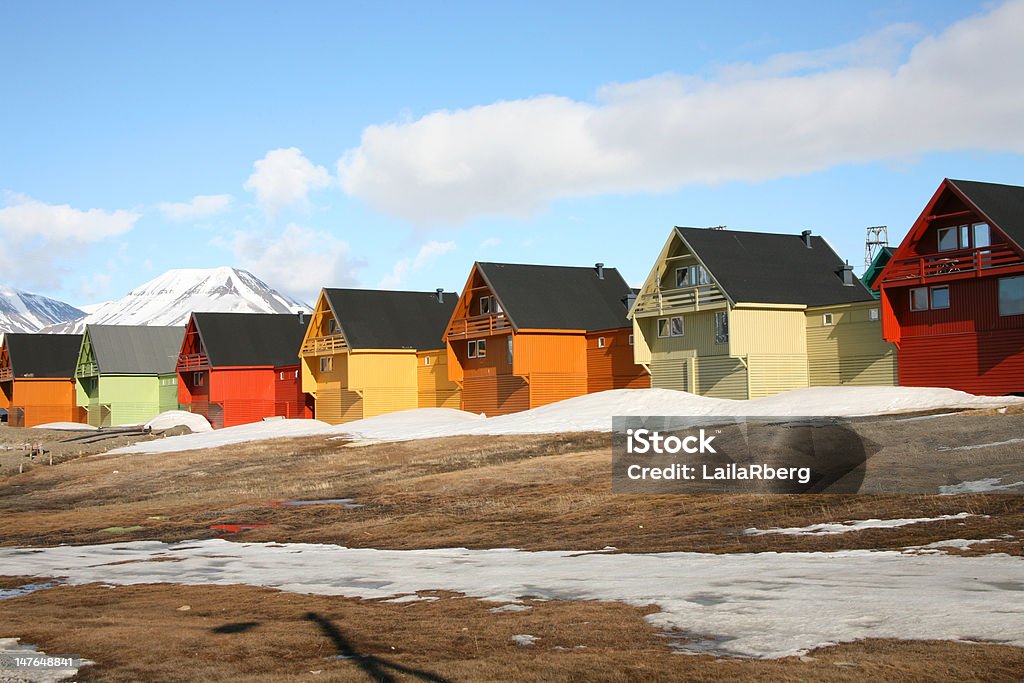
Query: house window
[827,319]
[600,342]
[198,379]
[873,314]
[948,239]
[670,327]
[972,235]
[488,305]
[919,299]
[426,360]
[326,363]
[722,327]
[478,348]
[630,341]
[982,236]
[296,374]
[332,326]
[691,276]
[1011,296]
[940,297]
[510,349]
[281,377]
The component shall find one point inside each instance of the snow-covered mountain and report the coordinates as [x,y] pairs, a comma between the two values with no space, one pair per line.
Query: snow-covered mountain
[170,298]
[24,312]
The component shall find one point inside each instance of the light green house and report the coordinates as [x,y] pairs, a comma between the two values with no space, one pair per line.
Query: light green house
[741,315]
[126,374]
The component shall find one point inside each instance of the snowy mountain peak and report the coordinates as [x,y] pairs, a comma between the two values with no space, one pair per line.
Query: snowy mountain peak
[170,298]
[25,312]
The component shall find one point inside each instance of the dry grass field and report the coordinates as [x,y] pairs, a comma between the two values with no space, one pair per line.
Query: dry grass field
[540,492]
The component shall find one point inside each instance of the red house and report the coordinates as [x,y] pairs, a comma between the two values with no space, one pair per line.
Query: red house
[953,293]
[236,368]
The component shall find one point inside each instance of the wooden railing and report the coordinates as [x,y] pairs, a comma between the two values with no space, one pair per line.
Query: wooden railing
[479,325]
[695,298]
[86,370]
[319,346]
[6,374]
[949,264]
[193,361]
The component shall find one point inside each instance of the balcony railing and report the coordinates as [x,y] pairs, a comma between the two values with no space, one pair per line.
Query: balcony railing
[479,325]
[319,346]
[693,298]
[193,361]
[949,264]
[6,374]
[86,370]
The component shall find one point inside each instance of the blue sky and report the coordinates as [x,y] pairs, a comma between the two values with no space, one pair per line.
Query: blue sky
[391,145]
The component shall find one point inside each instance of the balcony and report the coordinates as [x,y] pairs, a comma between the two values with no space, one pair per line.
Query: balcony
[6,374]
[949,265]
[193,361]
[322,346]
[479,326]
[686,298]
[86,370]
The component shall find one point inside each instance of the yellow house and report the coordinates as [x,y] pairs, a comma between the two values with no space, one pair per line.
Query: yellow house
[369,352]
[739,315]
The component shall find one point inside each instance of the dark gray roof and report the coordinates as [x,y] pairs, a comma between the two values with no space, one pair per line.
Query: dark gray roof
[1001,204]
[559,297]
[769,268]
[135,349]
[251,339]
[377,319]
[43,355]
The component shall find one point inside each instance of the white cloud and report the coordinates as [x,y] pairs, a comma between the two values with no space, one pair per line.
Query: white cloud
[299,261]
[36,236]
[284,177]
[200,206]
[873,99]
[426,254]
[490,243]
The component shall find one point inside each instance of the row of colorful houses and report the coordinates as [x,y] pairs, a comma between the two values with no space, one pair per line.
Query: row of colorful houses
[722,313]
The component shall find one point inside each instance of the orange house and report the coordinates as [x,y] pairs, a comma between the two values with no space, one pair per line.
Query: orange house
[37,378]
[523,336]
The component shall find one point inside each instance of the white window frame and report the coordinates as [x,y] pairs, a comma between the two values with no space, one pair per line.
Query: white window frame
[927,299]
[600,342]
[509,349]
[490,303]
[931,297]
[719,328]
[471,349]
[999,292]
[426,361]
[828,319]
[955,230]
[630,340]
[695,276]
[481,348]
[874,314]
[326,363]
[682,326]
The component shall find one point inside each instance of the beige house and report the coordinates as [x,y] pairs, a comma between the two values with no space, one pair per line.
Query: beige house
[740,315]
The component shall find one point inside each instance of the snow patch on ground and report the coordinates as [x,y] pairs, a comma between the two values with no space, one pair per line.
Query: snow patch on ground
[258,431]
[756,605]
[955,543]
[828,529]
[67,426]
[11,648]
[978,486]
[179,418]
[981,445]
[524,640]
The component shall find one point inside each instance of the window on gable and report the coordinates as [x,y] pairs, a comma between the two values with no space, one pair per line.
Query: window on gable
[198,379]
[332,326]
[982,235]
[948,239]
[1011,296]
[940,297]
[488,305]
[919,299]
[722,327]
[828,319]
[326,363]
[670,327]
[426,360]
[600,342]
[691,276]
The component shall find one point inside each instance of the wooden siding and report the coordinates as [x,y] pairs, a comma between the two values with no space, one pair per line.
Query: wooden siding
[980,363]
[495,394]
[721,377]
[672,371]
[641,346]
[772,374]
[612,366]
[551,387]
[434,389]
[766,331]
[32,402]
[698,336]
[335,405]
[851,351]
[549,353]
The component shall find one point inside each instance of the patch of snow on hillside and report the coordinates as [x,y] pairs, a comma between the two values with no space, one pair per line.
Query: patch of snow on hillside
[66,426]
[257,431]
[752,604]
[179,418]
[828,529]
[978,486]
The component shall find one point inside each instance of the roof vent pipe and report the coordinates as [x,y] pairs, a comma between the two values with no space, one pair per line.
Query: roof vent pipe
[302,317]
[599,267]
[440,295]
[806,234]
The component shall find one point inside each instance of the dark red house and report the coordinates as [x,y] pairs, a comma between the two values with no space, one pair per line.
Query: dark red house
[953,292]
[236,368]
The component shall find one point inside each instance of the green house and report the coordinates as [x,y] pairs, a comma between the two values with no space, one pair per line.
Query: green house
[126,374]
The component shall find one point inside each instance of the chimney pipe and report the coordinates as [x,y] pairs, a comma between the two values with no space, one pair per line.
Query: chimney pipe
[599,267]
[302,317]
[440,295]
[806,234]
[845,273]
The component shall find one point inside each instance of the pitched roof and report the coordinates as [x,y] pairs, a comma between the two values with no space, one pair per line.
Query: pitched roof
[558,297]
[250,339]
[769,268]
[43,355]
[877,265]
[377,319]
[135,349]
[1002,204]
